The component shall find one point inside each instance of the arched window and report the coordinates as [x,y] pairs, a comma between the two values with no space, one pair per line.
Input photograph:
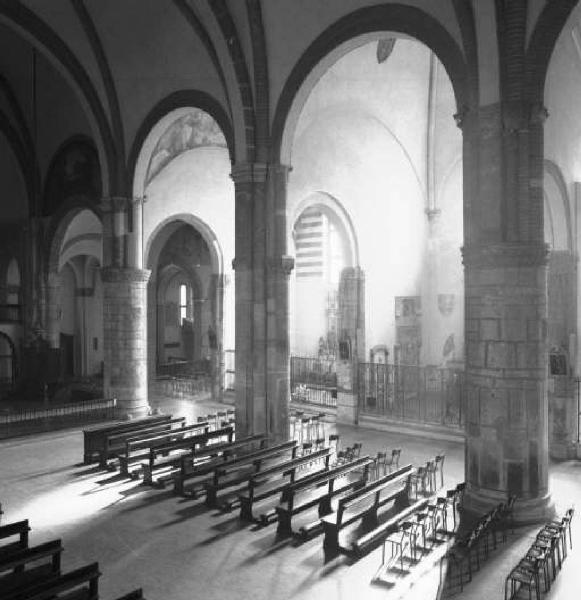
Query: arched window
[183,306]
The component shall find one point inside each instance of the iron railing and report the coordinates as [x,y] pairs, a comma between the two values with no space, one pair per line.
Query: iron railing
[184,368]
[33,419]
[412,393]
[313,380]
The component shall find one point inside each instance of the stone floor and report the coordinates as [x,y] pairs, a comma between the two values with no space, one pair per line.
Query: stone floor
[177,549]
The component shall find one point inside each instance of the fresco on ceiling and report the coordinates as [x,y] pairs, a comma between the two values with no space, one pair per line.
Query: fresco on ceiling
[74,171]
[196,129]
[384,49]
[186,246]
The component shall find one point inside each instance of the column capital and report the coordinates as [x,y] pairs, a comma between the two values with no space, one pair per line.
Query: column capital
[124,275]
[506,254]
[249,172]
[538,113]
[433,214]
[283,263]
[256,172]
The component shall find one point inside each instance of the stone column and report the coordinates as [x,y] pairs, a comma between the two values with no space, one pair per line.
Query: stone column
[124,309]
[125,338]
[506,376]
[505,262]
[261,286]
[216,345]
[279,268]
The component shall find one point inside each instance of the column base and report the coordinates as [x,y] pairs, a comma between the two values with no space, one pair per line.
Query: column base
[128,410]
[525,511]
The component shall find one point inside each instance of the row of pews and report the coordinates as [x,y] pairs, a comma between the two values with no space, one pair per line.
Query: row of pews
[354,501]
[34,572]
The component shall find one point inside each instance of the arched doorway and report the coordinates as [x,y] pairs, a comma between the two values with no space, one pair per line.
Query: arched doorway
[185,302]
[183,172]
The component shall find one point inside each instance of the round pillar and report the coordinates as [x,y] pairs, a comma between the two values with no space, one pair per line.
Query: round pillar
[125,338]
[506,379]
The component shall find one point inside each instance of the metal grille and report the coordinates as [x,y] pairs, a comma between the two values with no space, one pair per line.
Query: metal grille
[29,420]
[313,381]
[412,393]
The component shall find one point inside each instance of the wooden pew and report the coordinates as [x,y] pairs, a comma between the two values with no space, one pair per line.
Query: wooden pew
[202,461]
[236,471]
[165,458]
[18,528]
[114,443]
[316,490]
[137,448]
[80,584]
[134,595]
[16,569]
[261,486]
[93,436]
[363,505]
[378,534]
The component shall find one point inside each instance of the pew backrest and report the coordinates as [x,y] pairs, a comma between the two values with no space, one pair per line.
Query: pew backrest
[53,587]
[393,482]
[19,528]
[191,442]
[326,476]
[23,556]
[254,458]
[142,442]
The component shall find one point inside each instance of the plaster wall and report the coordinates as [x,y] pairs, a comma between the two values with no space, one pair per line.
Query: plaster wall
[362,138]
[198,183]
[562,88]
[310,19]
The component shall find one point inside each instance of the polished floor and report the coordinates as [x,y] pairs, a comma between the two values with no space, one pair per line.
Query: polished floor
[177,549]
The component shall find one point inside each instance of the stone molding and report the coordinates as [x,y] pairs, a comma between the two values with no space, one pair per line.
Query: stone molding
[506,254]
[124,275]
[284,263]
[256,172]
[249,172]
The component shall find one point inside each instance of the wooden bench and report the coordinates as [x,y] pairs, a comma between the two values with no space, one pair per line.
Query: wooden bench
[202,461]
[363,505]
[16,569]
[137,448]
[134,595]
[94,436]
[164,459]
[236,471]
[316,490]
[260,487]
[80,584]
[114,443]
[18,528]
[378,534]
